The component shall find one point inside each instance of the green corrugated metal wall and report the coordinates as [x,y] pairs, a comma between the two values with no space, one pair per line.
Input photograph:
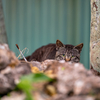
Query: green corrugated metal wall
[33,23]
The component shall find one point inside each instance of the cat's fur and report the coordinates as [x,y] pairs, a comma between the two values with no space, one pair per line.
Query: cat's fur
[57,51]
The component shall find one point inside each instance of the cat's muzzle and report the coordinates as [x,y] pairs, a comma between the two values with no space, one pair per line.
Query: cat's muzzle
[67,59]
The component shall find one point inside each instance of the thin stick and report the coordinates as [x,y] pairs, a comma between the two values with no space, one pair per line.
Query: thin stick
[21,52]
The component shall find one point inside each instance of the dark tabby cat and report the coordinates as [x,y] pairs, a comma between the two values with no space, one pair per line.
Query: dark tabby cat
[57,51]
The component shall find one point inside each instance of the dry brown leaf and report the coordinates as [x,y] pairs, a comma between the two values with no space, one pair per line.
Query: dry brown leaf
[50,74]
[34,69]
[51,90]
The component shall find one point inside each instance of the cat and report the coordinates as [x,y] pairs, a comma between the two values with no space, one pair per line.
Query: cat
[57,51]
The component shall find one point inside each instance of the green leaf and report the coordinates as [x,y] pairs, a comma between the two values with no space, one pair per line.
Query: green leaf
[40,77]
[36,77]
[26,83]
[26,87]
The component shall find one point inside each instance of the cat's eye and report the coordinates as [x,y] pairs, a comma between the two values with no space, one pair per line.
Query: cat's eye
[72,57]
[63,55]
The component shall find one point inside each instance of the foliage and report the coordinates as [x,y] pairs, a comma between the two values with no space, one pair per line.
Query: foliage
[26,83]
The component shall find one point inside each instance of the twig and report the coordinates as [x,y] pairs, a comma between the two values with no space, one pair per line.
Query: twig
[21,52]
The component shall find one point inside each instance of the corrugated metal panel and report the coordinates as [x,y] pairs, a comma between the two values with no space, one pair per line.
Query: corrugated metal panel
[33,23]
[3,36]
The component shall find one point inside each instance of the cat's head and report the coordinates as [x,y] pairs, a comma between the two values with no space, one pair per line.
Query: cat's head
[68,52]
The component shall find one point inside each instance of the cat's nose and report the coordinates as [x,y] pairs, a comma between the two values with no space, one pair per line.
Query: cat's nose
[67,59]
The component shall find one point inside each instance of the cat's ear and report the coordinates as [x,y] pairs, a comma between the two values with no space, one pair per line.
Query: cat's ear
[79,47]
[59,44]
